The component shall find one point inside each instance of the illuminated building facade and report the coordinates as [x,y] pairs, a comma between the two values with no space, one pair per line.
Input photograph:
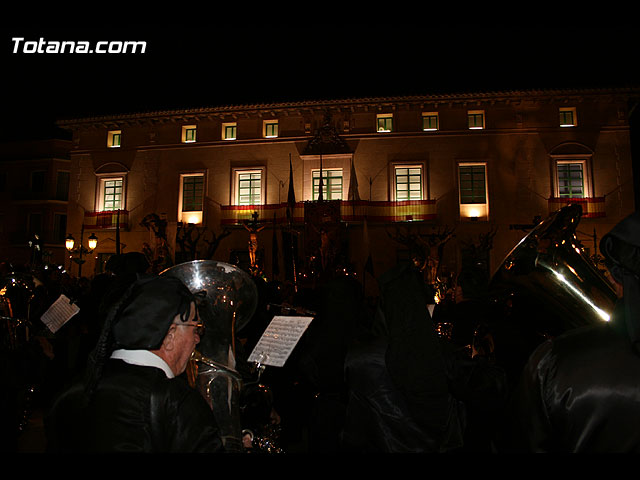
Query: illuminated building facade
[477,167]
[34,195]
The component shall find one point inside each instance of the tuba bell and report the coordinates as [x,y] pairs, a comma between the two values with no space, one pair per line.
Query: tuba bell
[548,285]
[227,298]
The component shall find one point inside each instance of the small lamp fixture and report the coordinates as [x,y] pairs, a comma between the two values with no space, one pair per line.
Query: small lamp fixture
[93,241]
[69,242]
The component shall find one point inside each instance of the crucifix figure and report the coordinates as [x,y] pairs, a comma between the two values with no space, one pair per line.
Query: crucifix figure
[253,227]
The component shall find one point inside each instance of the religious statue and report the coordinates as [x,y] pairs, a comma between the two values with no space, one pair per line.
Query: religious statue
[253,227]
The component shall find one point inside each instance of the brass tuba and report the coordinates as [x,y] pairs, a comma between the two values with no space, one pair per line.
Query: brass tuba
[548,285]
[227,298]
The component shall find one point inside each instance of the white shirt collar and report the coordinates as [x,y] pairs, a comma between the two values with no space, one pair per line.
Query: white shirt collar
[144,358]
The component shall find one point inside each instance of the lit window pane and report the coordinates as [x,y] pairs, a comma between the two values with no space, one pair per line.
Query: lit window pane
[192,193]
[430,122]
[249,188]
[385,124]
[570,180]
[271,130]
[408,183]
[476,120]
[472,184]
[112,194]
[331,184]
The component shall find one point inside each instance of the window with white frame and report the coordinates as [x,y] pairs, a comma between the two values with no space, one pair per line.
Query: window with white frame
[114,138]
[332,184]
[191,198]
[567,117]
[384,122]
[572,178]
[430,122]
[472,182]
[188,134]
[475,119]
[270,128]
[111,193]
[249,187]
[408,182]
[229,131]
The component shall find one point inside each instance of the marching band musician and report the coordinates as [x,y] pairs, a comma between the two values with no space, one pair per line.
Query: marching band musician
[579,391]
[134,398]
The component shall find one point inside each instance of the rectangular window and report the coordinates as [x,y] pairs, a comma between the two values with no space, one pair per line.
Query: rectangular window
[385,122]
[59,227]
[191,200]
[62,186]
[229,131]
[38,181]
[408,183]
[475,119]
[472,184]
[331,184]
[192,193]
[188,134]
[570,180]
[112,194]
[248,185]
[568,117]
[430,122]
[114,138]
[250,188]
[474,204]
[270,128]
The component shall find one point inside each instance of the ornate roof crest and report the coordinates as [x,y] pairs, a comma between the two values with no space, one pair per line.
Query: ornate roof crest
[327,140]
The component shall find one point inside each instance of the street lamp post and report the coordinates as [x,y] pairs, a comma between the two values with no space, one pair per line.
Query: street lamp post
[80,250]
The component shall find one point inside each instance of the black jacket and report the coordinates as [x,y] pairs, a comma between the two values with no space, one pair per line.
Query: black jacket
[578,393]
[134,409]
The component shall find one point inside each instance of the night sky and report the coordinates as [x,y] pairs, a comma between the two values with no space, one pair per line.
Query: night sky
[217,63]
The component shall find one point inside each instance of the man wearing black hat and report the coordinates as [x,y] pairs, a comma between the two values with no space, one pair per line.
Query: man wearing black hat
[580,391]
[134,398]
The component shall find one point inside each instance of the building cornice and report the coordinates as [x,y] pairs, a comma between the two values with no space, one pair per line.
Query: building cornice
[353,104]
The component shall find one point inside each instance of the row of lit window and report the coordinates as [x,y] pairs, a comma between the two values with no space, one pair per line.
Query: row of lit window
[430,122]
[229,132]
[475,120]
[408,185]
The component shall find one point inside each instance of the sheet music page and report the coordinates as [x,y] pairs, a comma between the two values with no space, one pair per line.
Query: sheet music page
[278,340]
[59,313]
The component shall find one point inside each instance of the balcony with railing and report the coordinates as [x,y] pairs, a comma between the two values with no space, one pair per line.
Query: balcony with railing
[592,207]
[350,211]
[108,219]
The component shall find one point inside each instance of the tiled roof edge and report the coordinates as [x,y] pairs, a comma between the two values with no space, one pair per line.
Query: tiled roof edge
[69,122]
